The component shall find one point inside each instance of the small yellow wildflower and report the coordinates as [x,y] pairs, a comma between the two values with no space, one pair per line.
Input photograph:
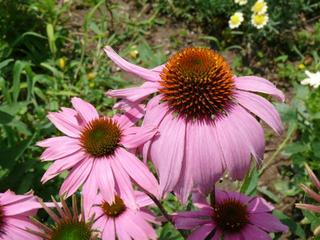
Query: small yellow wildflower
[134,53]
[260,7]
[91,76]
[91,84]
[235,20]
[259,21]
[241,2]
[61,63]
[301,66]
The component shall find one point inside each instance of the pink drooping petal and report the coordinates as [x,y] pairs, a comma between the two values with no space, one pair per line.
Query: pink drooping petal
[105,178]
[313,177]
[135,94]
[259,205]
[262,108]
[155,112]
[9,197]
[20,224]
[309,207]
[267,222]
[142,199]
[135,137]
[121,229]
[137,171]
[311,193]
[202,232]
[123,184]
[109,232]
[76,177]
[21,207]
[85,109]
[236,195]
[89,192]
[167,151]
[199,199]
[62,164]
[185,182]
[61,149]
[159,68]
[14,233]
[251,131]
[258,84]
[141,221]
[253,232]
[130,117]
[235,151]
[190,223]
[64,124]
[205,154]
[144,73]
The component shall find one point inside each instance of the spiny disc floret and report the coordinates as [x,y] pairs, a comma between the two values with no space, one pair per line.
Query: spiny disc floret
[73,230]
[115,209]
[101,137]
[230,215]
[197,83]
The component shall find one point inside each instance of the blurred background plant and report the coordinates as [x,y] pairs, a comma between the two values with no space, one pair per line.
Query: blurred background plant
[52,50]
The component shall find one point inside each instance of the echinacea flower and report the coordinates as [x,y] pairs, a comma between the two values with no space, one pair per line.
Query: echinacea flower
[94,150]
[233,215]
[15,212]
[235,20]
[69,224]
[119,221]
[260,7]
[259,21]
[313,79]
[204,116]
[311,193]
[241,2]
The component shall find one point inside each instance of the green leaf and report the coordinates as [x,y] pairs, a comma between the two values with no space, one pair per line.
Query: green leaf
[17,71]
[5,118]
[264,190]
[51,38]
[5,63]
[295,228]
[294,148]
[249,185]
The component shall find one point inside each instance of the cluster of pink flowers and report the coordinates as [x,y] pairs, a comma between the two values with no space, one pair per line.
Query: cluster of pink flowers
[197,122]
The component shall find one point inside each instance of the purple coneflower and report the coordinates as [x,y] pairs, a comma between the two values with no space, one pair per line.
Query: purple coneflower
[205,116]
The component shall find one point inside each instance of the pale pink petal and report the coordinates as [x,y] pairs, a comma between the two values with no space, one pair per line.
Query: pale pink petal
[109,230]
[135,94]
[138,219]
[121,230]
[64,124]
[259,205]
[70,147]
[235,151]
[9,197]
[201,233]
[123,184]
[135,137]
[137,171]
[308,207]
[62,164]
[130,117]
[313,177]
[262,108]
[76,177]
[252,232]
[205,154]
[144,73]
[14,233]
[159,68]
[258,84]
[267,222]
[167,151]
[21,224]
[21,207]
[85,109]
[89,191]
[185,182]
[251,130]
[105,179]
[142,199]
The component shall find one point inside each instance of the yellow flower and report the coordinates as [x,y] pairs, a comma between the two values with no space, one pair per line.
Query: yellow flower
[301,66]
[91,85]
[259,21]
[235,20]
[260,7]
[61,63]
[241,2]
[91,76]
[134,53]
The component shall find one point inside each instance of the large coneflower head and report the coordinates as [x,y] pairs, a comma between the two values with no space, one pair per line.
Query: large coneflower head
[117,220]
[232,215]
[314,195]
[69,223]
[207,118]
[197,83]
[96,150]
[15,211]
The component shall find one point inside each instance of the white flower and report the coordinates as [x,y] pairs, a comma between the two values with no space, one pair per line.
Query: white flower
[260,7]
[313,79]
[235,20]
[259,21]
[241,2]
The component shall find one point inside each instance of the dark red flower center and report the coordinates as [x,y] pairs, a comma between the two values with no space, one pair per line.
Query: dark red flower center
[100,137]
[197,83]
[114,209]
[230,215]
